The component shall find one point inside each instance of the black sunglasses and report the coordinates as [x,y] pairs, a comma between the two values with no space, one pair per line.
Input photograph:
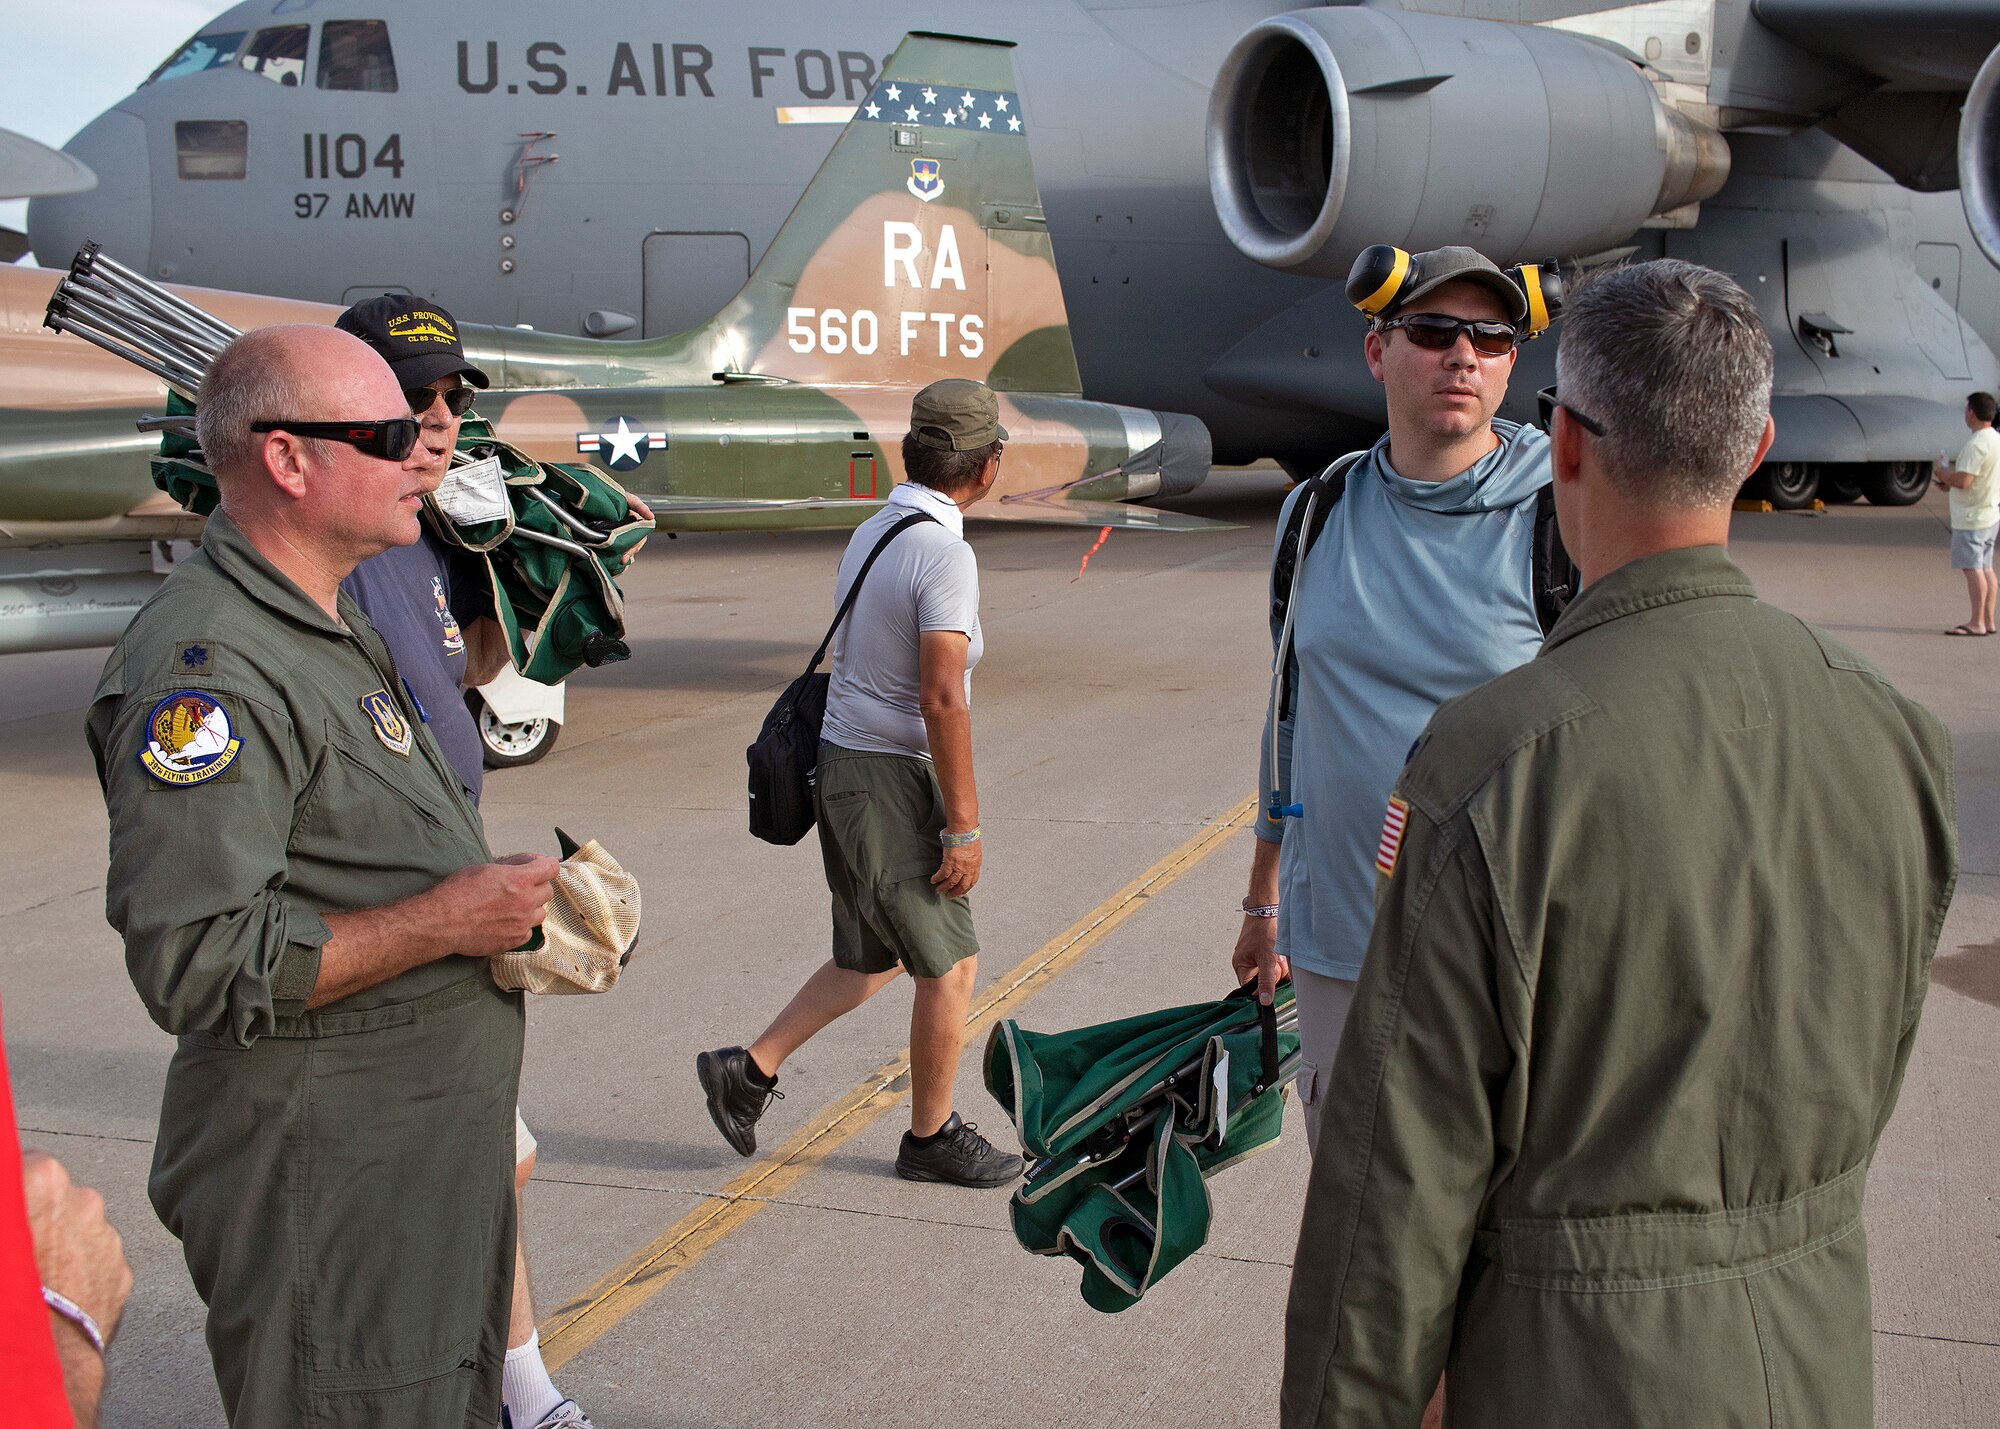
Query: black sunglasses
[1439,331]
[390,439]
[1547,401]
[458,401]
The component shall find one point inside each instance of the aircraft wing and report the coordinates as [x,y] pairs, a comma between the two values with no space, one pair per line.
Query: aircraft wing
[706,513]
[1056,511]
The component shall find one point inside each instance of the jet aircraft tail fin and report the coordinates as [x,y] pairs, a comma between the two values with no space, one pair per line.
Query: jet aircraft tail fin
[919,250]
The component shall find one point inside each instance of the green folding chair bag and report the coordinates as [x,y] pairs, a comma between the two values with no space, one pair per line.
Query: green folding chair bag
[1126,1119]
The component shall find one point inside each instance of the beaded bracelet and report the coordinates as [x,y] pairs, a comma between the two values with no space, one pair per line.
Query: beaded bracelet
[76,1314]
[970,836]
[1260,910]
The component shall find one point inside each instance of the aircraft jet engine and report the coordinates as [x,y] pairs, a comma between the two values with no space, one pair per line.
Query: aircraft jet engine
[1331,129]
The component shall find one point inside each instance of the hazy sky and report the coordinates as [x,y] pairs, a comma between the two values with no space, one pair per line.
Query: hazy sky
[61,65]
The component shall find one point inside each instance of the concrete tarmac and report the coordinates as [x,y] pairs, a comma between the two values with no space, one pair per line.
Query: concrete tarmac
[1115,719]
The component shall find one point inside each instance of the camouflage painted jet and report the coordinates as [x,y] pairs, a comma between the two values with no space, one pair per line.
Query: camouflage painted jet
[919,251]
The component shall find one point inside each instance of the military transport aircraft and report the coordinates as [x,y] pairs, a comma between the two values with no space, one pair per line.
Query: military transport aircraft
[919,251]
[613,169]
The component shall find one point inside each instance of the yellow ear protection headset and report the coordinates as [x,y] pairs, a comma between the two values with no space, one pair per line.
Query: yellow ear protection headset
[1384,273]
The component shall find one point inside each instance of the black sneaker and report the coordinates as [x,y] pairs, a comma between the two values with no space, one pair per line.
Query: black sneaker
[735,1099]
[959,1155]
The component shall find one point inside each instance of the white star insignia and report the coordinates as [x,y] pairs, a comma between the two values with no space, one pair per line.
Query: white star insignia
[967,99]
[1013,124]
[623,444]
[951,116]
[874,111]
[911,112]
[999,103]
[895,93]
[930,95]
[986,121]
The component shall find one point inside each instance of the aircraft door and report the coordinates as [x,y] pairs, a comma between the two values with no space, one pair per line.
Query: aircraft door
[688,276]
[1938,271]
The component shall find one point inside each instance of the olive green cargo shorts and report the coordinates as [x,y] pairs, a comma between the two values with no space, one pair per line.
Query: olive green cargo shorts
[879,820]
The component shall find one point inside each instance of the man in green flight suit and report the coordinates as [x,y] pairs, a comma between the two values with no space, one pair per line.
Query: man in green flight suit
[305,893]
[1646,966]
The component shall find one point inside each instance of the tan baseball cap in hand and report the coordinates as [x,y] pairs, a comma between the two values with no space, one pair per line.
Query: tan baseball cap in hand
[591,925]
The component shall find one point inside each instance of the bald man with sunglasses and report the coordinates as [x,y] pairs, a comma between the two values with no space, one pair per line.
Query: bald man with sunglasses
[306,898]
[1417,589]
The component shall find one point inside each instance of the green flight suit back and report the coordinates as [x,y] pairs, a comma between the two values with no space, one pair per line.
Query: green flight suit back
[1640,993]
[340,1179]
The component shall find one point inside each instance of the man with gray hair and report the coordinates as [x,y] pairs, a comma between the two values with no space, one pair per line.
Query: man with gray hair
[1647,963]
[306,898]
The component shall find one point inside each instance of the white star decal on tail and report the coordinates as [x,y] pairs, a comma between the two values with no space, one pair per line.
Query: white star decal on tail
[1013,124]
[951,116]
[1000,103]
[895,93]
[874,111]
[986,121]
[930,95]
[911,112]
[967,99]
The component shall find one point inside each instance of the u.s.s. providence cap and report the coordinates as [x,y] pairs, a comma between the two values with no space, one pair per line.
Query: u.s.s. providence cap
[416,337]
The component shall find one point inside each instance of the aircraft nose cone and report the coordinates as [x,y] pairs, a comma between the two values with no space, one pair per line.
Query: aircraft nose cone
[117,214]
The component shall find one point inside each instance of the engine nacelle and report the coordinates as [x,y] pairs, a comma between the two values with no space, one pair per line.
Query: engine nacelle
[1335,128]
[1979,157]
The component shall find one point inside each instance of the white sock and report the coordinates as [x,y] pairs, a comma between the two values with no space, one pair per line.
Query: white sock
[525,1385]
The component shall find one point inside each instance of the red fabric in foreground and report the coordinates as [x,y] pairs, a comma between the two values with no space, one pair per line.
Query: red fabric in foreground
[33,1393]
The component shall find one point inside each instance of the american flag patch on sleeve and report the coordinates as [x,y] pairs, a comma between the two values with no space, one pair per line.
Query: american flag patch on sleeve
[1394,821]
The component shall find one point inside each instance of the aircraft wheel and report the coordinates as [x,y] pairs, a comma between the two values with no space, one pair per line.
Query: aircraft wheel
[1838,485]
[1895,483]
[508,746]
[1791,485]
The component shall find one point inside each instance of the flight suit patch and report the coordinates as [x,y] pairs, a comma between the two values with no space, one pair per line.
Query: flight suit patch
[390,726]
[189,739]
[1395,820]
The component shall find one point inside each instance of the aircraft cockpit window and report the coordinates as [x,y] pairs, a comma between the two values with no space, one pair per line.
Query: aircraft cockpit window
[200,53]
[212,148]
[355,54]
[278,53]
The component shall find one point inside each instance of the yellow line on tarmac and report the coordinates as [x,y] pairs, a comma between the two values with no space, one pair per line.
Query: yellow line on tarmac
[575,1326]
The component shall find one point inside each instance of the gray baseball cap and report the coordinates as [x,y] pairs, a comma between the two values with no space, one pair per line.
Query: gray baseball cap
[1464,265]
[956,415]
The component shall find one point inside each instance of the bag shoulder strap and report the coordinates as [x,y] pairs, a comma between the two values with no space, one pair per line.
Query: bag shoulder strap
[861,575]
[1554,573]
[1308,519]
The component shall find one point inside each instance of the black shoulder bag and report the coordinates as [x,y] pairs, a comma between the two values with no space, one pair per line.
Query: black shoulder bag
[786,750]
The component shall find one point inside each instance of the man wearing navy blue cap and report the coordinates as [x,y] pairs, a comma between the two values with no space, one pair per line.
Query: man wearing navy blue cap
[433,607]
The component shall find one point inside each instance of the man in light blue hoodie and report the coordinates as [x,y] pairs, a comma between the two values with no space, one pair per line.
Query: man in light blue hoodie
[1417,590]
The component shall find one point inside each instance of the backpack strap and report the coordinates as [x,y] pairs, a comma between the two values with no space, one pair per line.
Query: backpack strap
[1308,519]
[861,575]
[1554,575]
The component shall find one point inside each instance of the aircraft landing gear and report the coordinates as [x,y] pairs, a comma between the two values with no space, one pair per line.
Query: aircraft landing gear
[508,746]
[1789,485]
[1895,483]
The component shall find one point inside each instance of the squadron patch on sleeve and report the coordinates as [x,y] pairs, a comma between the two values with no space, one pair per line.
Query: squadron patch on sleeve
[390,726]
[1394,821]
[189,739]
